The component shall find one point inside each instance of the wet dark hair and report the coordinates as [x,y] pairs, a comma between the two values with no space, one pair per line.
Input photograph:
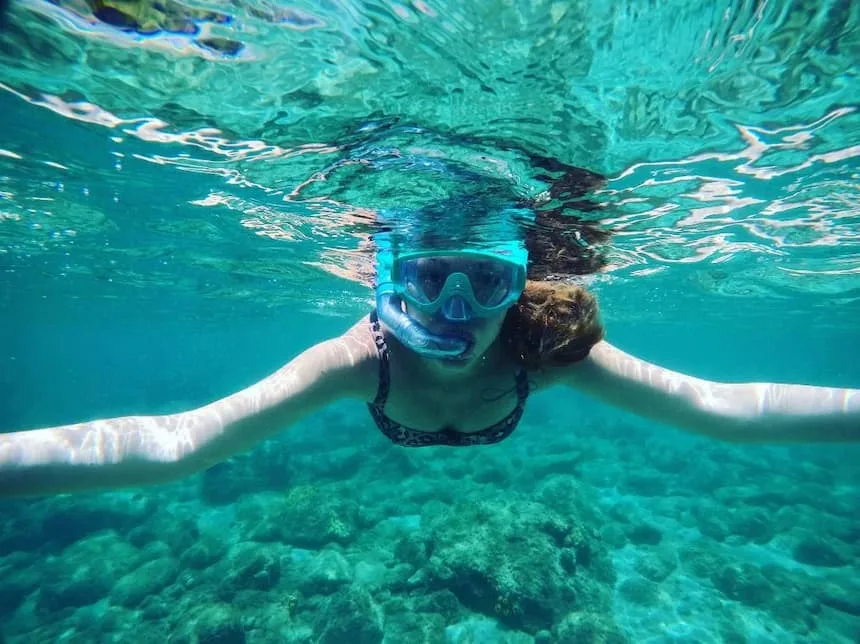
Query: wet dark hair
[555,322]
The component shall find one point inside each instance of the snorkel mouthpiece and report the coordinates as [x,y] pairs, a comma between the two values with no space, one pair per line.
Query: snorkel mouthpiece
[412,334]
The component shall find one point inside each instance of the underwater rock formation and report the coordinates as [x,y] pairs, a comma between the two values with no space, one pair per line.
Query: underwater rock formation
[307,516]
[147,580]
[349,616]
[486,553]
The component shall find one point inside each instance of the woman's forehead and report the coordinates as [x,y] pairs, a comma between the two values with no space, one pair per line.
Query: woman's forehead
[458,258]
[455,261]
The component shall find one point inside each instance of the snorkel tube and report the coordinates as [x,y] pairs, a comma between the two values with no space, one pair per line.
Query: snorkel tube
[389,308]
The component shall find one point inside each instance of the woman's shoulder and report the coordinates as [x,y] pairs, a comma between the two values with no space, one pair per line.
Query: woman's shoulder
[546,377]
[359,355]
[360,337]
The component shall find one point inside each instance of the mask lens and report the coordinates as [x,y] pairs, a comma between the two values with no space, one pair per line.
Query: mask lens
[491,281]
[425,278]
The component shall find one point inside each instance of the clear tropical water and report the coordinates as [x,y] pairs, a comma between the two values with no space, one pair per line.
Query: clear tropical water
[186,200]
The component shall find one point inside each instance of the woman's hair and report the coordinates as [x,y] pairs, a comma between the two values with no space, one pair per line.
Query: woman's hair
[553,324]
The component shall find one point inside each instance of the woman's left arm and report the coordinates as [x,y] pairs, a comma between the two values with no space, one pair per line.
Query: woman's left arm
[741,412]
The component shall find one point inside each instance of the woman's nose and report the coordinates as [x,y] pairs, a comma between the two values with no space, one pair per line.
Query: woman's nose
[456,309]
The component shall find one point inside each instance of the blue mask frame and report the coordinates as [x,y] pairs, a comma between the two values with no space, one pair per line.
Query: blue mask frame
[511,262]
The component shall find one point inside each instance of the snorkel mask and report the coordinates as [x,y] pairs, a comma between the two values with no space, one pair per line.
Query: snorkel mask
[457,285]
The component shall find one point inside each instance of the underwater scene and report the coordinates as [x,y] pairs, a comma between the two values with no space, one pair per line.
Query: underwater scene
[192,194]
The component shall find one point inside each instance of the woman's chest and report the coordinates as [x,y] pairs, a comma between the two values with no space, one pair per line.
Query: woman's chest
[466,407]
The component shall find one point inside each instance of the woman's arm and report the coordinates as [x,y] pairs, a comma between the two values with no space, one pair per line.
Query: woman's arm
[743,412]
[139,450]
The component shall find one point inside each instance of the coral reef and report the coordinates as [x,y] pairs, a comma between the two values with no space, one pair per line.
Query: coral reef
[447,546]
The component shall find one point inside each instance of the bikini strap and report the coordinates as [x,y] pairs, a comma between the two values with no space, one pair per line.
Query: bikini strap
[522,380]
[384,369]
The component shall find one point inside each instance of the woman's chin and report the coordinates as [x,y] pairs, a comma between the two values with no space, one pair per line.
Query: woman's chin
[461,362]
[457,362]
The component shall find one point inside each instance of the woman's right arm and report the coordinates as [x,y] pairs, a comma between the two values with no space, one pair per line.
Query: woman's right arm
[141,450]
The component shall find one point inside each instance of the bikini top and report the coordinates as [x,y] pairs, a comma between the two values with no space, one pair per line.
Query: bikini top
[407,437]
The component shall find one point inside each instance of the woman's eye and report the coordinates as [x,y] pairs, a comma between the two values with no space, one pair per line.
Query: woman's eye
[436,273]
[436,270]
[490,275]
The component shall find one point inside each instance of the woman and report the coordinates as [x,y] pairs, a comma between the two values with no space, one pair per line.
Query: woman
[458,342]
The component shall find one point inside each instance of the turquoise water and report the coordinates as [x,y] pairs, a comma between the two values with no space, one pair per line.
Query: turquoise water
[181,213]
